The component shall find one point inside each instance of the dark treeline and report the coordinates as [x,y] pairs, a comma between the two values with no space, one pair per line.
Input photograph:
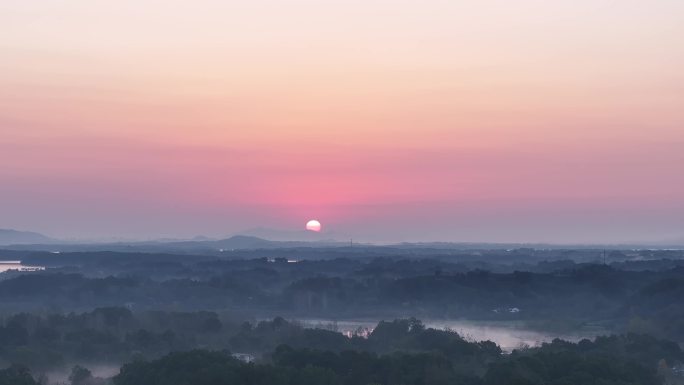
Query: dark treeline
[106,335]
[499,260]
[554,293]
[116,335]
[160,311]
[397,352]
[614,360]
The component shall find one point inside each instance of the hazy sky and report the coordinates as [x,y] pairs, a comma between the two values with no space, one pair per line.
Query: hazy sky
[479,120]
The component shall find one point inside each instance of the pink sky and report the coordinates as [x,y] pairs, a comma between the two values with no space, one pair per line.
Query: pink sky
[481,120]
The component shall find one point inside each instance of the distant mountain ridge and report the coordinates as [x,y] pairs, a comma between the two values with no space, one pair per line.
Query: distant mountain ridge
[236,242]
[289,235]
[15,237]
[265,238]
[252,242]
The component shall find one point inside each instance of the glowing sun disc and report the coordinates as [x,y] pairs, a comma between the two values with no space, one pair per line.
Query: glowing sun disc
[313,225]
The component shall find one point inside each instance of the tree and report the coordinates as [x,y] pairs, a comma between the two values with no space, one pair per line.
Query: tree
[80,375]
[16,375]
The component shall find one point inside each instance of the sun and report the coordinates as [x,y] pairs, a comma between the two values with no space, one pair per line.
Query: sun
[313,225]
